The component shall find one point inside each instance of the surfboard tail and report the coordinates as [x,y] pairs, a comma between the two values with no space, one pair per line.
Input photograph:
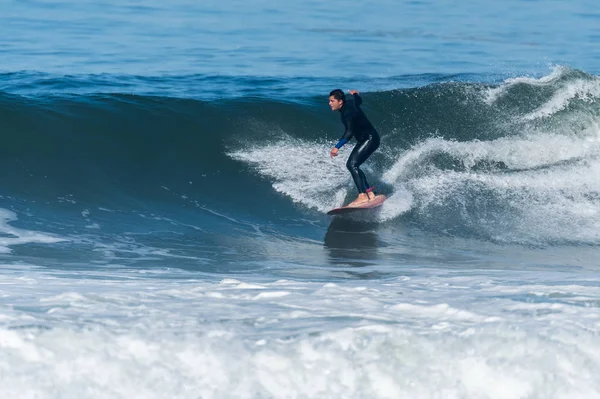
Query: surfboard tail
[375,202]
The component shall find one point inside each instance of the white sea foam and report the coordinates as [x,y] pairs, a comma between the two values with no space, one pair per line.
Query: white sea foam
[397,203]
[540,182]
[431,333]
[10,235]
[548,181]
[303,171]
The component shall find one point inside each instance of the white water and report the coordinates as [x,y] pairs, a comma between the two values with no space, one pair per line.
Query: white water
[428,333]
[548,191]
[10,235]
[303,171]
[538,185]
[306,173]
[424,318]
[544,190]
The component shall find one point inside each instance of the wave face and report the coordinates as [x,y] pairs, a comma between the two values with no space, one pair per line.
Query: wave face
[511,162]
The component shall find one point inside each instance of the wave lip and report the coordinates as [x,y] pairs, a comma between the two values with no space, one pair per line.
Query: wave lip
[557,91]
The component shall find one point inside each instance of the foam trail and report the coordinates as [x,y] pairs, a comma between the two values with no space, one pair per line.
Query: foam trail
[302,171]
[399,202]
[10,235]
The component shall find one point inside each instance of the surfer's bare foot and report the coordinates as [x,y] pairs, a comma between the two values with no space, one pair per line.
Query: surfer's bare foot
[362,198]
[371,195]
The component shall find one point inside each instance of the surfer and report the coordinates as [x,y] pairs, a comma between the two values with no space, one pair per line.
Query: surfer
[358,126]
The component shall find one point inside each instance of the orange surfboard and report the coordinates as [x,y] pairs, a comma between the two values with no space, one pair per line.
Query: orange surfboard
[374,203]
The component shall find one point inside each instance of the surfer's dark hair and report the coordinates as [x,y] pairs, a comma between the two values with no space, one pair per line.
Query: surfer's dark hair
[338,94]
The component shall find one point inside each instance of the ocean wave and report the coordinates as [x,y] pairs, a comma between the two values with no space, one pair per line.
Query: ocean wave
[506,162]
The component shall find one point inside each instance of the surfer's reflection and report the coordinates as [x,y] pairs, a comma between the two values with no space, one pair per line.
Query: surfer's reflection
[351,242]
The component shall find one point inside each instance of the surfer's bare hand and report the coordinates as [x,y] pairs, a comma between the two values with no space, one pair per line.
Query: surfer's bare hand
[334,152]
[353,92]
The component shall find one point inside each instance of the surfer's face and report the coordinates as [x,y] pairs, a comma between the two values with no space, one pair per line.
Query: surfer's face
[335,104]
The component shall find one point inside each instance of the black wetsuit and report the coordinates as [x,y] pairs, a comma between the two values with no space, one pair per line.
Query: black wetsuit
[358,126]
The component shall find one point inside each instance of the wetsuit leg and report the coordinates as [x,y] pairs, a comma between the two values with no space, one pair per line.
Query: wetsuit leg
[364,179]
[359,154]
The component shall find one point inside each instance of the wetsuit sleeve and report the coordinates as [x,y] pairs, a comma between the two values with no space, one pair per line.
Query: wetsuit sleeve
[349,123]
[341,143]
[357,99]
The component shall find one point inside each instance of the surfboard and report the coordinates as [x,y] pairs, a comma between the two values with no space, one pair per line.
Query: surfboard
[374,203]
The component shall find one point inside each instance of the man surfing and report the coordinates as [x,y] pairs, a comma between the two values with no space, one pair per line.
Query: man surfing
[358,126]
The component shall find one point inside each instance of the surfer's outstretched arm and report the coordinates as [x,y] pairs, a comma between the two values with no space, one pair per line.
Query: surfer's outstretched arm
[345,138]
[348,119]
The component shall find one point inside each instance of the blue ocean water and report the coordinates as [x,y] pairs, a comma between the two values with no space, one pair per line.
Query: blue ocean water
[165,179]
